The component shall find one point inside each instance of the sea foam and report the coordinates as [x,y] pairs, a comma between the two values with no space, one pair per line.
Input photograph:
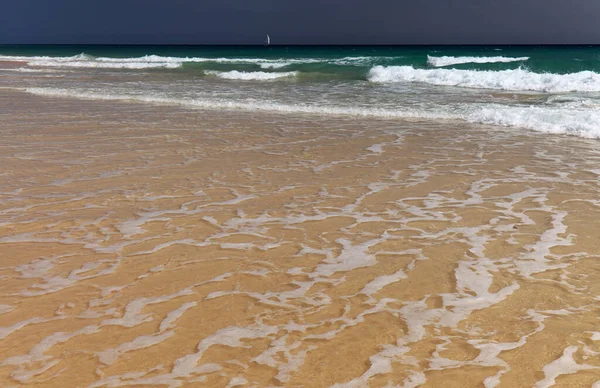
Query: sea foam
[240,104]
[518,79]
[251,75]
[88,61]
[156,61]
[447,61]
[578,122]
[581,122]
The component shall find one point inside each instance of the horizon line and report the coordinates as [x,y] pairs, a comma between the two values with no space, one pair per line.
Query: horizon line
[305,44]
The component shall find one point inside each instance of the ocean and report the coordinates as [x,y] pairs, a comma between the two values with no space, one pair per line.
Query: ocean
[551,89]
[341,217]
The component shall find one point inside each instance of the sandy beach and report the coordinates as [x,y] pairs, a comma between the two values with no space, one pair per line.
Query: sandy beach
[146,245]
[12,64]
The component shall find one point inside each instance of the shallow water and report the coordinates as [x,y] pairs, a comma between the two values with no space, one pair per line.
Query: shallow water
[154,245]
[551,89]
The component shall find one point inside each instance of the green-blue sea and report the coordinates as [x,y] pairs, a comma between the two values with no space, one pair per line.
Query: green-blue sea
[554,89]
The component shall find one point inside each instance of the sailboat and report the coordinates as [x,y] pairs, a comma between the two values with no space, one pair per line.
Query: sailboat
[268,40]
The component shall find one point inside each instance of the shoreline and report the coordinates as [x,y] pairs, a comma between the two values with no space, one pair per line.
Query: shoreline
[309,115]
[11,64]
[268,249]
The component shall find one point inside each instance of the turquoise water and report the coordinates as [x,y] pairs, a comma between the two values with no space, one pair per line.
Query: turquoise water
[551,59]
[553,89]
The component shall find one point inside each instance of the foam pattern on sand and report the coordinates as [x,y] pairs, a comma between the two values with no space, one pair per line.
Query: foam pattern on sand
[226,253]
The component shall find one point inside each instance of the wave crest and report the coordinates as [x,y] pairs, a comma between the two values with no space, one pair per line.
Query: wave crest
[518,79]
[447,61]
[156,61]
[88,61]
[577,122]
[251,75]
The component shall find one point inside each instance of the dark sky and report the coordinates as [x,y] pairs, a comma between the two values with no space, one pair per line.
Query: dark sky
[300,22]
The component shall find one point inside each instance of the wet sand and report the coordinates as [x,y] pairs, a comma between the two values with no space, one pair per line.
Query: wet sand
[12,64]
[157,246]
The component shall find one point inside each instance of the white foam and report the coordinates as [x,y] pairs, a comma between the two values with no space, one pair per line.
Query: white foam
[87,61]
[278,350]
[380,282]
[582,122]
[518,79]
[109,356]
[536,259]
[351,257]
[579,122]
[78,57]
[28,70]
[37,357]
[561,366]
[157,61]
[169,321]
[237,381]
[170,380]
[133,315]
[5,308]
[251,75]
[107,65]
[274,65]
[280,63]
[447,61]
[376,148]
[36,269]
[229,336]
[473,277]
[242,105]
[8,330]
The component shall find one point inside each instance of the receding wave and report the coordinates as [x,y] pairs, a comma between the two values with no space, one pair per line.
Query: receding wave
[518,79]
[28,70]
[448,61]
[246,105]
[251,75]
[582,122]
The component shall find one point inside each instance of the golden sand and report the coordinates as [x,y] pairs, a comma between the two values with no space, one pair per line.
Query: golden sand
[156,246]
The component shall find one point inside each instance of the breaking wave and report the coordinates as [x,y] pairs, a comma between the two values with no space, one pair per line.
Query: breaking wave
[251,75]
[447,61]
[157,61]
[518,79]
[577,121]
[246,105]
[87,61]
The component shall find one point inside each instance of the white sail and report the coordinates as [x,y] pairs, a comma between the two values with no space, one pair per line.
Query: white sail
[268,40]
